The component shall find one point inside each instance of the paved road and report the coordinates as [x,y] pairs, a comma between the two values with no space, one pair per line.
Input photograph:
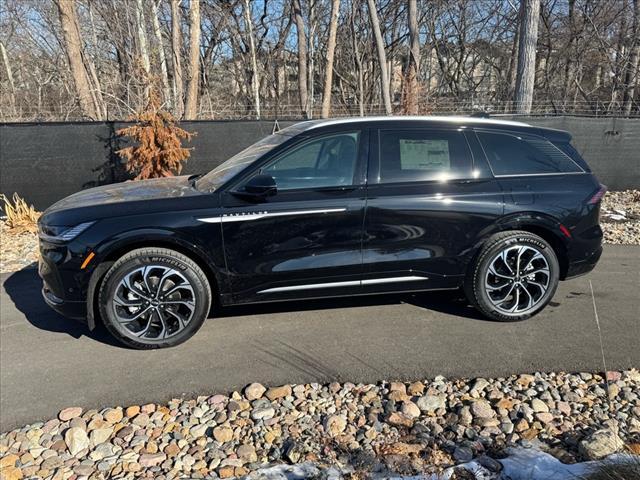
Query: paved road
[47,362]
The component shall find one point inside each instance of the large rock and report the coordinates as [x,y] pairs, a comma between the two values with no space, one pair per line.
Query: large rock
[113,415]
[76,439]
[223,434]
[275,393]
[410,409]
[600,444]
[431,403]
[152,459]
[539,406]
[247,453]
[334,425]
[254,391]
[482,409]
[100,435]
[69,413]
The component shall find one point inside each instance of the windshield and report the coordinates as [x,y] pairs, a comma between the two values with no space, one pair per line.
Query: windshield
[225,171]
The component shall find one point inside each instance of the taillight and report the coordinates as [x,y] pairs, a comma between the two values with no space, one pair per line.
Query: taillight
[598,195]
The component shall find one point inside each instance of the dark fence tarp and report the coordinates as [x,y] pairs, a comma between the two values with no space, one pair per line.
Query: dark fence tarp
[46,162]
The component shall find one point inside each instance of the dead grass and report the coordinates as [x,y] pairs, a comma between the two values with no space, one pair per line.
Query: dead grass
[627,469]
[21,217]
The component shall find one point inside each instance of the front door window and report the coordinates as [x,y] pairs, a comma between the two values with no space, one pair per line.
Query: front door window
[328,161]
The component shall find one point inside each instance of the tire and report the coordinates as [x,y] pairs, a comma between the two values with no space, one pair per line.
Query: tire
[495,289]
[154,298]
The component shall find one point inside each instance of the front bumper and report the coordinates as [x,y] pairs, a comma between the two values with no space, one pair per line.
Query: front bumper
[63,282]
[74,310]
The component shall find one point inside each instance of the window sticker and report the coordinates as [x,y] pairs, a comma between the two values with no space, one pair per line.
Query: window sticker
[416,154]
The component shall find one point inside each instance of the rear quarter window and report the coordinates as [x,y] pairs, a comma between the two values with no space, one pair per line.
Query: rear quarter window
[517,154]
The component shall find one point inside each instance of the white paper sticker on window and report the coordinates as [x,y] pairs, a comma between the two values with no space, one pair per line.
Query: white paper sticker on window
[424,154]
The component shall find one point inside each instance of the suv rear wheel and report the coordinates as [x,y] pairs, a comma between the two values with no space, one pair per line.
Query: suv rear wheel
[514,276]
[154,298]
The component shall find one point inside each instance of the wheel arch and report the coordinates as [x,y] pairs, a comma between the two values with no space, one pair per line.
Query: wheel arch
[545,226]
[110,254]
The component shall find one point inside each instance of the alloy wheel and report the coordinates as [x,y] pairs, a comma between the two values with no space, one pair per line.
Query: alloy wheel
[153,303]
[517,279]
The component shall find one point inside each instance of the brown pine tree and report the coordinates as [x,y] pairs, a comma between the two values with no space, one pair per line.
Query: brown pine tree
[159,151]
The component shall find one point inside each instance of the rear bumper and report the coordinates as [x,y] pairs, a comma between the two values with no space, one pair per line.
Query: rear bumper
[584,266]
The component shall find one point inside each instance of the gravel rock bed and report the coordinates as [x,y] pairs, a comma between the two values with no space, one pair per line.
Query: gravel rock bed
[17,250]
[405,428]
[620,217]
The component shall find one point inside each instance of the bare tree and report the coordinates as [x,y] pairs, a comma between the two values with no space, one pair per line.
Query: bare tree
[525,80]
[382,56]
[302,58]
[176,48]
[191,106]
[412,89]
[331,48]
[9,73]
[255,81]
[460,55]
[164,75]
[142,36]
[73,46]
[632,72]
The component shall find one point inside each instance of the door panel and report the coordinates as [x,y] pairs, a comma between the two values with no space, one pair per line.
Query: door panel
[418,232]
[279,248]
[305,241]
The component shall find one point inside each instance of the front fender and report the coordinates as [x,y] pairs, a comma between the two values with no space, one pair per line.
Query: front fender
[107,253]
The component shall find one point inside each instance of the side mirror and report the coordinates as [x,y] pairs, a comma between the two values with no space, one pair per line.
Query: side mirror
[258,188]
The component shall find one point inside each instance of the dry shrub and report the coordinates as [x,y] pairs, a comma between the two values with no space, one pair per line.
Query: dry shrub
[21,216]
[159,151]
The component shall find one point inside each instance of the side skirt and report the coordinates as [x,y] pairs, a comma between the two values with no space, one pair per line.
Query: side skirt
[227,301]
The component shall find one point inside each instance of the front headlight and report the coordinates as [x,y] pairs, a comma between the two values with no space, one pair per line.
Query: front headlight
[55,233]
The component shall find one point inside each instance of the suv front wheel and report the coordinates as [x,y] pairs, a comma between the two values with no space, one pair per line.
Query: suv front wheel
[154,298]
[515,275]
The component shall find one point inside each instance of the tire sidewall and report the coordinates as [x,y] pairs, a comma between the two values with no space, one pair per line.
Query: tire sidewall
[119,270]
[481,271]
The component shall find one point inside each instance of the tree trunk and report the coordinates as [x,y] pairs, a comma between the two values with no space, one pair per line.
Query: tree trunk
[73,48]
[255,79]
[191,107]
[176,47]
[568,69]
[525,79]
[413,64]
[632,72]
[302,58]
[9,73]
[142,37]
[331,48]
[382,56]
[161,55]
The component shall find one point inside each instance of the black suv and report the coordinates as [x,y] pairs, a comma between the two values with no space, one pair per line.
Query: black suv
[330,208]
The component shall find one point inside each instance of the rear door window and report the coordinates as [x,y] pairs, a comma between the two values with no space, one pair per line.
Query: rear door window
[423,155]
[519,154]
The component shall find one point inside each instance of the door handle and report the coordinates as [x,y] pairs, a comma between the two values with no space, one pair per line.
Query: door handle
[349,188]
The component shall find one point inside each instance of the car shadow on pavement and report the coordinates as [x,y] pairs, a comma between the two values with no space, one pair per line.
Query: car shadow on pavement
[24,289]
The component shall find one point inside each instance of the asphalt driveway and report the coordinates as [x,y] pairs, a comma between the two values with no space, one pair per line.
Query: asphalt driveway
[48,362]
